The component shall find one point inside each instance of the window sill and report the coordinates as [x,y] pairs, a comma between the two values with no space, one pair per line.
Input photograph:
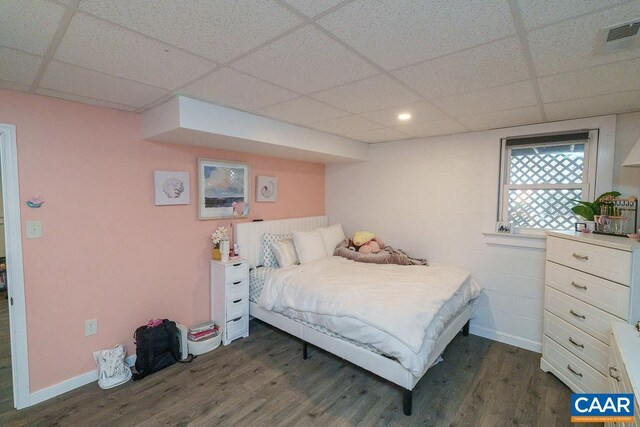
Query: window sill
[536,241]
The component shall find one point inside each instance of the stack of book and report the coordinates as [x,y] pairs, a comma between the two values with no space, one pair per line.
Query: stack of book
[203,331]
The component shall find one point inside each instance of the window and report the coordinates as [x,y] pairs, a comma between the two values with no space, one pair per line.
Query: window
[542,175]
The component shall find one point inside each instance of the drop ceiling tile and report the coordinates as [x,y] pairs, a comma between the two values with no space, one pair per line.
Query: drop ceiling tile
[84,100]
[70,79]
[305,61]
[618,77]
[571,45]
[438,127]
[370,94]
[29,25]
[312,7]
[4,84]
[500,98]
[398,33]
[235,89]
[420,112]
[594,106]
[489,65]
[98,45]
[302,111]
[219,31]
[346,125]
[536,13]
[379,135]
[18,67]
[502,119]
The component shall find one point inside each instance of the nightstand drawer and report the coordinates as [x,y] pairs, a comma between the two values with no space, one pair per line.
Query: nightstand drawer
[581,344]
[609,263]
[237,289]
[610,296]
[235,272]
[236,328]
[586,317]
[584,377]
[237,308]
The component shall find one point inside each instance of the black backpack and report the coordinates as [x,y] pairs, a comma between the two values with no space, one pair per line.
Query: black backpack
[156,348]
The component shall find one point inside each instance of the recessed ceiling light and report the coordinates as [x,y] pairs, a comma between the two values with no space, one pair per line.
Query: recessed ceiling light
[404,116]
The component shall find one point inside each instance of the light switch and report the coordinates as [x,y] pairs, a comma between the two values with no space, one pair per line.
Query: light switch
[34,229]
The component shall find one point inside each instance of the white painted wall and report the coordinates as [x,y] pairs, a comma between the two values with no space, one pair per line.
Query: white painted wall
[435,197]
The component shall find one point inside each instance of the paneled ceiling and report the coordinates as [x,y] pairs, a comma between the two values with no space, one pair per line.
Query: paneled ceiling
[342,67]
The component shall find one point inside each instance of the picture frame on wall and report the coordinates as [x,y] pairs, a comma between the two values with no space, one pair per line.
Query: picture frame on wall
[171,188]
[220,185]
[266,189]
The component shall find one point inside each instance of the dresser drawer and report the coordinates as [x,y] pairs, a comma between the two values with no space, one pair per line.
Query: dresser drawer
[235,272]
[237,308]
[237,289]
[586,317]
[617,372]
[612,264]
[581,344]
[236,328]
[609,296]
[586,378]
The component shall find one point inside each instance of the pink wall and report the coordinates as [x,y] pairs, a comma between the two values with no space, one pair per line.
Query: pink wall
[107,252]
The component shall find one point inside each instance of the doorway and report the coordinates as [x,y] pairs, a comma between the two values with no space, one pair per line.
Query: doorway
[14,276]
[6,383]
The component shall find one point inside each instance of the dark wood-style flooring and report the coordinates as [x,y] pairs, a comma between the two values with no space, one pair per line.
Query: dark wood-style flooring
[263,381]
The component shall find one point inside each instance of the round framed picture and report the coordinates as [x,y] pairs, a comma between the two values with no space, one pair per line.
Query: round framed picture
[267,189]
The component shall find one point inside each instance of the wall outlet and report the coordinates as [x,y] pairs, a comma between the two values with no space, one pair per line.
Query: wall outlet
[34,229]
[90,327]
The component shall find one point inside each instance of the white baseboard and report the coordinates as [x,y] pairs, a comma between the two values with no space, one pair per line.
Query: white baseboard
[503,337]
[70,384]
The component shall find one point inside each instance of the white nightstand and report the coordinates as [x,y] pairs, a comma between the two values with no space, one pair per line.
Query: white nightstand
[230,298]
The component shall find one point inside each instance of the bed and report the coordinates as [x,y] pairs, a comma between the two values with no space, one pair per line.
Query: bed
[393,363]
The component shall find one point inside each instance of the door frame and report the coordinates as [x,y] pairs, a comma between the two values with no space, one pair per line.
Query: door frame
[15,272]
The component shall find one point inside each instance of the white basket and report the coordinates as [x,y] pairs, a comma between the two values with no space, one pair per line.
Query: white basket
[204,346]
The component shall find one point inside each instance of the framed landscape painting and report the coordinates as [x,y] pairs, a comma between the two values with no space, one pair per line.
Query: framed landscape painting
[220,184]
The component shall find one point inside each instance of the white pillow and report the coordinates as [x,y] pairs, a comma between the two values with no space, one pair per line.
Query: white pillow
[285,253]
[309,246]
[331,236]
[268,257]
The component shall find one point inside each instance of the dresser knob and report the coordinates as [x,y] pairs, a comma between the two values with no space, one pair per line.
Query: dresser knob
[614,369]
[575,343]
[581,257]
[574,371]
[575,285]
[581,316]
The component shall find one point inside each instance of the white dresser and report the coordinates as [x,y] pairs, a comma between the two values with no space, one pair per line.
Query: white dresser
[591,280]
[624,364]
[230,298]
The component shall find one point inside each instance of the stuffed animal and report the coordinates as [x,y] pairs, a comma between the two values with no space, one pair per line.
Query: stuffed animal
[366,242]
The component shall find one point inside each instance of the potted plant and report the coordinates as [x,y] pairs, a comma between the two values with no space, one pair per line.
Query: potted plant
[588,210]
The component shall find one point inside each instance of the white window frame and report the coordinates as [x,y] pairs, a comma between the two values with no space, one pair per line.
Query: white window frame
[588,181]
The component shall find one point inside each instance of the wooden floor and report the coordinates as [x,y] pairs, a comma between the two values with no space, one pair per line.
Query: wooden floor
[263,381]
[6,386]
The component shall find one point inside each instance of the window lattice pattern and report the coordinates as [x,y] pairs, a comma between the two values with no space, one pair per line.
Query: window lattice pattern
[547,165]
[538,208]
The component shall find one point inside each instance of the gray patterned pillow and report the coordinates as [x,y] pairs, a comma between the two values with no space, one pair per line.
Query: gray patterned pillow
[268,257]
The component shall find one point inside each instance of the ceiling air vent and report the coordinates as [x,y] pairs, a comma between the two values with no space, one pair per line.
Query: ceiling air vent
[620,36]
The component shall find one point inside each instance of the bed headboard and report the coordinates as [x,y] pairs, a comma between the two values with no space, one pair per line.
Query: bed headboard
[248,234]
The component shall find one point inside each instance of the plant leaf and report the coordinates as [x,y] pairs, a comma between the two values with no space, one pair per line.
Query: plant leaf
[584,211]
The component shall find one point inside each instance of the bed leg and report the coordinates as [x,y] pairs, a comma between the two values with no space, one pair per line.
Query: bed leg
[407,401]
[304,350]
[465,329]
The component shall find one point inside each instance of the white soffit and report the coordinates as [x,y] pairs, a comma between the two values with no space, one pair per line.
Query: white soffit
[187,121]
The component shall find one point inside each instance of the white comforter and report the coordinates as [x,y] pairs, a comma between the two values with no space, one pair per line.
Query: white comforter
[390,307]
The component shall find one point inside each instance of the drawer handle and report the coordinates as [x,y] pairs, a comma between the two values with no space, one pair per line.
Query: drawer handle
[237,301]
[581,316]
[574,371]
[237,265]
[575,285]
[582,257]
[614,369]
[575,343]
[237,283]
[236,319]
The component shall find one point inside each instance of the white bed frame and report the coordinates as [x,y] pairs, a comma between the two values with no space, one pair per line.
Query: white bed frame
[248,237]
